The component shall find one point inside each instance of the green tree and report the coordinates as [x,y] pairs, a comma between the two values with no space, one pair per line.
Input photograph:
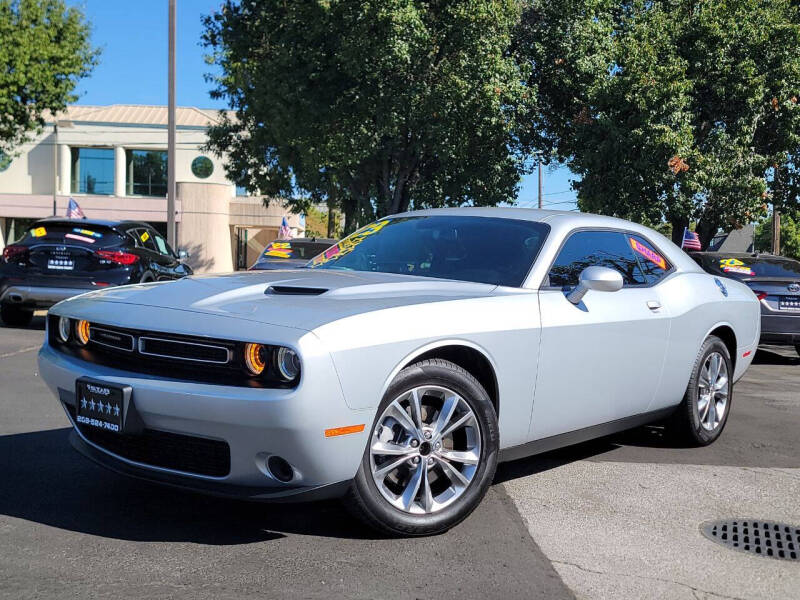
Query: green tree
[44,52]
[676,110]
[790,235]
[372,106]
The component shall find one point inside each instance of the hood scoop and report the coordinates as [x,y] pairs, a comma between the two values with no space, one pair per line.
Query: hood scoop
[294,290]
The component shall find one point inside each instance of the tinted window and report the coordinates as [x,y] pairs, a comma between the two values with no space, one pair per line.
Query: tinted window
[480,249]
[652,262]
[146,239]
[595,248]
[749,266]
[74,234]
[161,244]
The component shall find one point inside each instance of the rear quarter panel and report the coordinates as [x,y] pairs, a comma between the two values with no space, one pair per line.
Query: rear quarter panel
[697,307]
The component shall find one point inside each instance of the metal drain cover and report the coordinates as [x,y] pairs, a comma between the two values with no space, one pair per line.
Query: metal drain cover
[762,538]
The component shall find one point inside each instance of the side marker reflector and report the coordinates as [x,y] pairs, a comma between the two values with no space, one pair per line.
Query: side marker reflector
[746,354]
[344,430]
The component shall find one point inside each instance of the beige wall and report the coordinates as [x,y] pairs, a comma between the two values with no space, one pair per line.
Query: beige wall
[205,230]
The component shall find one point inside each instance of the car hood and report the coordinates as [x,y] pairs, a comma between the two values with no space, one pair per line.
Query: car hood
[300,298]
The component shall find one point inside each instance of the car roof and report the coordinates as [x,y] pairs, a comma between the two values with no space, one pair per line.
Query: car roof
[97,222]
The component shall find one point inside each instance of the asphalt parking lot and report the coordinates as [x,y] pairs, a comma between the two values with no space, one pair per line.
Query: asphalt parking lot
[614,518]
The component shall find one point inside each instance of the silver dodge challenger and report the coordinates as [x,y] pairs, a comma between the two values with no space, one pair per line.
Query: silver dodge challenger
[399,366]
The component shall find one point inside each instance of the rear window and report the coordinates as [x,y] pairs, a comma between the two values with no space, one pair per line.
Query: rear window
[74,234]
[292,249]
[751,266]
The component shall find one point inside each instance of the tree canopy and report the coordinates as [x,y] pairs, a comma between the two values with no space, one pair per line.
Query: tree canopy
[374,106]
[44,52]
[677,110]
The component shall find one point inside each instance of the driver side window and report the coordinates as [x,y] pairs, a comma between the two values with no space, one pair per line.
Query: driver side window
[595,248]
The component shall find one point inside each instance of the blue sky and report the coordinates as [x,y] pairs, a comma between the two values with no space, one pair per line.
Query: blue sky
[133,70]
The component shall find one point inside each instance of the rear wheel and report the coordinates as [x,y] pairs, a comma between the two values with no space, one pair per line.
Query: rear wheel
[702,415]
[15,316]
[431,455]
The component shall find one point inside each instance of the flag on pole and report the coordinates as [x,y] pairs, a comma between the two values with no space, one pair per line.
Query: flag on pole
[284,232]
[74,211]
[691,241]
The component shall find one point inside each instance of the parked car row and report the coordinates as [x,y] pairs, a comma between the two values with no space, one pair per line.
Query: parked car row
[60,258]
[775,280]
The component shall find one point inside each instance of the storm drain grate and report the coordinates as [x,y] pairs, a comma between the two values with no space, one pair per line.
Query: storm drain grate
[762,538]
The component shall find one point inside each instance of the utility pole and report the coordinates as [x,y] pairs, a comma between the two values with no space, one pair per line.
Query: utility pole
[171,185]
[55,166]
[540,181]
[776,231]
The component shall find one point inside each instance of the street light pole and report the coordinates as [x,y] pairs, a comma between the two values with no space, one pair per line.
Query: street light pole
[55,166]
[171,185]
[540,181]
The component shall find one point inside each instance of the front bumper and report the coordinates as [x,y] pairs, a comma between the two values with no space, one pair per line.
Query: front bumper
[255,424]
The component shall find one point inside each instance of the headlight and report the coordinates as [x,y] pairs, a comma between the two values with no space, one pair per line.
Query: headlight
[255,358]
[64,325]
[82,332]
[287,363]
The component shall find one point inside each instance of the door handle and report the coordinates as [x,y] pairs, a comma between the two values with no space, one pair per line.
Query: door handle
[653,304]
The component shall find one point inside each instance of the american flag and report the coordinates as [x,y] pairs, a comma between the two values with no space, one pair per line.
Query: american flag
[284,232]
[691,241]
[74,211]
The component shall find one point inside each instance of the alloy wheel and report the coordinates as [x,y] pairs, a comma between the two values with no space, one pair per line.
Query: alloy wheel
[425,449]
[713,387]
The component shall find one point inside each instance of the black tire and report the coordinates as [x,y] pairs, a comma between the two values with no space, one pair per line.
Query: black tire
[366,502]
[797,349]
[147,277]
[687,420]
[15,316]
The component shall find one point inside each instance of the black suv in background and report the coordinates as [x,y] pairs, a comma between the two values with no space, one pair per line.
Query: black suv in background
[775,280]
[59,258]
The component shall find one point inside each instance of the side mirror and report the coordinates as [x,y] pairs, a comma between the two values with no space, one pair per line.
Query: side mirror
[183,254]
[599,279]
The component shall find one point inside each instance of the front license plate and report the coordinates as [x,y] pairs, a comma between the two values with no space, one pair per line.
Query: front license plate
[789,303]
[100,405]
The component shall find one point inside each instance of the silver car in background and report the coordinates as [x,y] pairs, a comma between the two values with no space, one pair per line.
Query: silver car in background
[398,367]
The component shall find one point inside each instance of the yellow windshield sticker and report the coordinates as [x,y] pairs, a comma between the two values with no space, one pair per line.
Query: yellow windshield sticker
[145,236]
[348,244]
[730,262]
[39,232]
[279,250]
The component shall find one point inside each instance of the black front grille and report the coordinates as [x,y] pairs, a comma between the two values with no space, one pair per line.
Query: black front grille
[174,356]
[173,451]
[165,348]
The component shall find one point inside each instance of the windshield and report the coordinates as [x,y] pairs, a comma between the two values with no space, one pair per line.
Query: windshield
[742,267]
[75,234]
[480,249]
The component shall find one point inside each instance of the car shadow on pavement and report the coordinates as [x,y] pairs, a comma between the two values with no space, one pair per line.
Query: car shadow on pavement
[776,356]
[46,481]
[37,323]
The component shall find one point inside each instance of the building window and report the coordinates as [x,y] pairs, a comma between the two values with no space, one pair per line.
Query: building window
[146,173]
[92,171]
[202,167]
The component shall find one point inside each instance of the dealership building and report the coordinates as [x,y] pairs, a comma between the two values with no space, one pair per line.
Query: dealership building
[113,161]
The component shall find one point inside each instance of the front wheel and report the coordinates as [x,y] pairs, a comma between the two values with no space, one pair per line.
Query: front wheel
[431,455]
[702,415]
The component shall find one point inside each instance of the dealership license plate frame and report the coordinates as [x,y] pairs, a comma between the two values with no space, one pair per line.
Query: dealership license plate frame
[101,405]
[790,303]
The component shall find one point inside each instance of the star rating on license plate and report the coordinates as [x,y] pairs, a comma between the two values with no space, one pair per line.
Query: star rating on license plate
[100,406]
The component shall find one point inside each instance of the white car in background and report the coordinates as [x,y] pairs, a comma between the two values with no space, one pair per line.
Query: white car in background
[398,367]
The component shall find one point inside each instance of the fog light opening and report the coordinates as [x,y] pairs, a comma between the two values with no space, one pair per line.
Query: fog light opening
[280,469]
